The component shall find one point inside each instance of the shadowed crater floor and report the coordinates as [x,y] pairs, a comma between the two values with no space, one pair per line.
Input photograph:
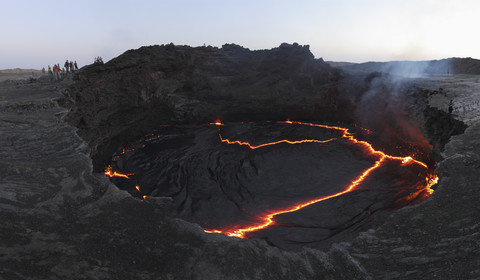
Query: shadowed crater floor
[230,177]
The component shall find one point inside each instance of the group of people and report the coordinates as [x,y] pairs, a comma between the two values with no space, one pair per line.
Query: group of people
[98,60]
[57,72]
[70,66]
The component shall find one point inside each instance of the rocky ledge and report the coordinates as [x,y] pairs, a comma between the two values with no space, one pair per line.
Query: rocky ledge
[62,220]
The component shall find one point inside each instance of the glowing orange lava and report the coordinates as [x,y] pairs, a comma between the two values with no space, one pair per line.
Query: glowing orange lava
[430,183]
[217,122]
[349,136]
[110,173]
[138,189]
[267,220]
[274,143]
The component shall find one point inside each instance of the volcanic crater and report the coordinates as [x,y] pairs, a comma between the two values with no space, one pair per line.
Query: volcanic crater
[272,146]
[293,184]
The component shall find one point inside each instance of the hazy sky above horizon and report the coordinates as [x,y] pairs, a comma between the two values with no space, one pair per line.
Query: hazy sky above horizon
[37,33]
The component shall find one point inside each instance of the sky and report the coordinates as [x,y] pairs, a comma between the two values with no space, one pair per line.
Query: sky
[37,33]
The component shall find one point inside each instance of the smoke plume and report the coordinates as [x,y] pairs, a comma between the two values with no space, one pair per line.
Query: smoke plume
[386,109]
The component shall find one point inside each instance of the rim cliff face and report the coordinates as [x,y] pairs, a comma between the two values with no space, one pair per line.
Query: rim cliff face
[119,101]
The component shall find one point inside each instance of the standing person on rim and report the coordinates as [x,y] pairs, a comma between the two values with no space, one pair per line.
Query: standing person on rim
[66,65]
[55,72]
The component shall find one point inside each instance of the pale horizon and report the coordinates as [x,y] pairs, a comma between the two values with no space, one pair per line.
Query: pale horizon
[41,33]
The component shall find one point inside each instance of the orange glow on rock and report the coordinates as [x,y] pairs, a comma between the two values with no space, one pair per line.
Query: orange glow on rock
[268,219]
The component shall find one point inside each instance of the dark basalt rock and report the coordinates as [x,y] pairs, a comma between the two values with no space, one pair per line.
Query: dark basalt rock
[440,127]
[117,102]
[218,185]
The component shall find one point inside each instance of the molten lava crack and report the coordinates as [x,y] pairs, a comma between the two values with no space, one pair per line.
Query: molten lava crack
[267,219]
[110,173]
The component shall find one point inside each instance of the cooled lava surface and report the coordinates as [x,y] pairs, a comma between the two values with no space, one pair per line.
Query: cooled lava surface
[293,184]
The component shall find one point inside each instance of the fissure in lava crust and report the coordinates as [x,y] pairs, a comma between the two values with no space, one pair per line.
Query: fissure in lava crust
[266,220]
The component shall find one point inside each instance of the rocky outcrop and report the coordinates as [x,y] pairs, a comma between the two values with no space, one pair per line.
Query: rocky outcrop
[440,127]
[152,86]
